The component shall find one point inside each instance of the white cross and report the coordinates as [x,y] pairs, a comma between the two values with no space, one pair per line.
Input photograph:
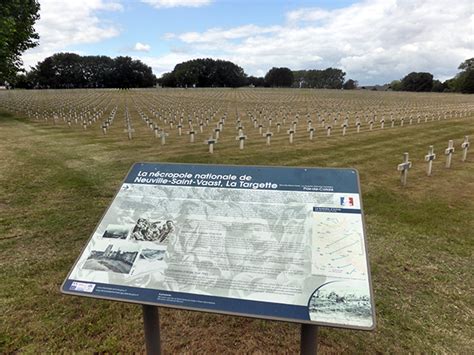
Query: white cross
[449,153]
[269,136]
[191,136]
[241,138]
[344,126]
[211,141]
[328,128]
[291,132]
[429,158]
[465,147]
[403,168]
[163,136]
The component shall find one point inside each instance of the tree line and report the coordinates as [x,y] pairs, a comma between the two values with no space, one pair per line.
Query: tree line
[70,70]
[423,82]
[207,72]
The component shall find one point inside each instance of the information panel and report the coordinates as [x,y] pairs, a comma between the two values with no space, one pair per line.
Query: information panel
[267,242]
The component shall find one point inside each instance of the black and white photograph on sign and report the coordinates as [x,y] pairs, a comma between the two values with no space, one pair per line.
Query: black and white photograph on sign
[348,302]
[153,231]
[152,254]
[116,231]
[112,259]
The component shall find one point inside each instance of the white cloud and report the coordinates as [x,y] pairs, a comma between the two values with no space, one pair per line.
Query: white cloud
[141,47]
[160,4]
[220,35]
[307,14]
[374,41]
[67,23]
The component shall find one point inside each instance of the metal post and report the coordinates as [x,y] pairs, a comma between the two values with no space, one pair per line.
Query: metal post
[151,322]
[309,339]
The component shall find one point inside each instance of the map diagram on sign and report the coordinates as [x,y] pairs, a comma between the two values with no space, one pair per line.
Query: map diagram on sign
[338,245]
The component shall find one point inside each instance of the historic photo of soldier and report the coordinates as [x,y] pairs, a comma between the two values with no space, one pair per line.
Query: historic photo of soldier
[157,231]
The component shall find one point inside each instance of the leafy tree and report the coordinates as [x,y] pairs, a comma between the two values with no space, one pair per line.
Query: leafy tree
[350,85]
[468,64]
[465,80]
[98,71]
[256,81]
[438,86]
[329,78]
[205,73]
[450,85]
[279,77]
[17,34]
[70,70]
[396,85]
[417,82]
[168,80]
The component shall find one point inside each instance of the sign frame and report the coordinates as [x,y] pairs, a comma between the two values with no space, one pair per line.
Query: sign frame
[66,290]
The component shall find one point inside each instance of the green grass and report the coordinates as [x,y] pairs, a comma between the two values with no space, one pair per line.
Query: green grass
[55,183]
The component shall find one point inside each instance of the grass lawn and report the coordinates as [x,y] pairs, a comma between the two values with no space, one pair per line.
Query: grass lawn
[56,182]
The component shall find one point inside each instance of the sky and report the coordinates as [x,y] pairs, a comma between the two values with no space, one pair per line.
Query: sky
[373,41]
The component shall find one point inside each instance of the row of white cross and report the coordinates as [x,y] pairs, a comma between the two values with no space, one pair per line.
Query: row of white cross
[430,157]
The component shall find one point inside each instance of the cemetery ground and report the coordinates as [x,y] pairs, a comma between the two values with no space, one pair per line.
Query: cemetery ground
[56,182]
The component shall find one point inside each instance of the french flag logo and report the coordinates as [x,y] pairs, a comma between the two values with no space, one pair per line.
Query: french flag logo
[347,201]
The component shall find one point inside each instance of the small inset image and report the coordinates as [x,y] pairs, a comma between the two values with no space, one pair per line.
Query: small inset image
[111,259]
[116,231]
[153,231]
[342,302]
[152,254]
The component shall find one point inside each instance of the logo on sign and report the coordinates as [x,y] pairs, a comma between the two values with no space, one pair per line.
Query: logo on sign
[347,201]
[82,286]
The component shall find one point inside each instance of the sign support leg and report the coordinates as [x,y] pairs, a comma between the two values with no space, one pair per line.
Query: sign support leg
[309,339]
[151,322]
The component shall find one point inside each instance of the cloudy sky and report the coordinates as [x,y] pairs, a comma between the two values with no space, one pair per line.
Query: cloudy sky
[373,41]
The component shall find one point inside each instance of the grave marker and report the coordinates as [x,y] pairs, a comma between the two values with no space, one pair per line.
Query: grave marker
[163,136]
[217,130]
[129,130]
[449,153]
[291,132]
[191,136]
[403,168]
[344,126]
[465,147]
[210,142]
[268,135]
[241,138]
[429,158]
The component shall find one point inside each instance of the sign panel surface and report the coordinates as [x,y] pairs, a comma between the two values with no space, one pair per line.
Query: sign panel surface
[267,242]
